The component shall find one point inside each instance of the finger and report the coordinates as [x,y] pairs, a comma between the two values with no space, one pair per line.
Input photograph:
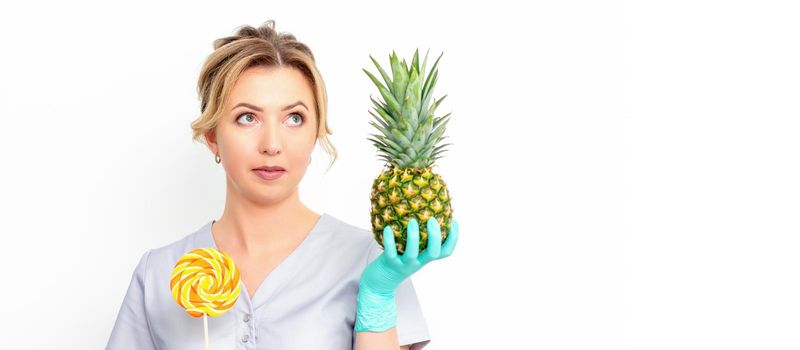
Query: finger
[434,248]
[412,241]
[451,240]
[389,247]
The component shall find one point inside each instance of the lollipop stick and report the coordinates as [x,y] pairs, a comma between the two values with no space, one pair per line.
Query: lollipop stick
[205,328]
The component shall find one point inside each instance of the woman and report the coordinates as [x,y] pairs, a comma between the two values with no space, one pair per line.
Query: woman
[310,281]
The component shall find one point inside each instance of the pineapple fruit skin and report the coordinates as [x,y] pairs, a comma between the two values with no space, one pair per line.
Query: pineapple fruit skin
[400,194]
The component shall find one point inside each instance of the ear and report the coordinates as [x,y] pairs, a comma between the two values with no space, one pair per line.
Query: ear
[211,141]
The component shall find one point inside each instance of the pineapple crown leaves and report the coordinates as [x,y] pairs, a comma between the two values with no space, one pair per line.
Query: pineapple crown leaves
[409,132]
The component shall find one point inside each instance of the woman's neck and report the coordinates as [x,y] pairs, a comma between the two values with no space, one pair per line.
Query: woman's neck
[255,230]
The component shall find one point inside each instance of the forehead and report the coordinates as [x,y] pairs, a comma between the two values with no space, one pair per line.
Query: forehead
[271,87]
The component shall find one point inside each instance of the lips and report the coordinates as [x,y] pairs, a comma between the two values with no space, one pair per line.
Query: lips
[270,168]
[269,175]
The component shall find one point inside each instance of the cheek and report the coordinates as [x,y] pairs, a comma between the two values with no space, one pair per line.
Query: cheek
[237,154]
[300,160]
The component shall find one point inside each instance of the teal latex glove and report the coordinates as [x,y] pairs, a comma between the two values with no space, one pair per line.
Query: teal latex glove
[376,310]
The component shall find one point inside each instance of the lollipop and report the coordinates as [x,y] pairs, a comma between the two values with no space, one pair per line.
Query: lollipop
[205,282]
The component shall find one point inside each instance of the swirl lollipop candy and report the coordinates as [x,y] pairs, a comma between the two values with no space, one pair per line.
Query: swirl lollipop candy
[205,282]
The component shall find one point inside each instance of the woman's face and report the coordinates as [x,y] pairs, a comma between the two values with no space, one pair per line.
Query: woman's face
[262,125]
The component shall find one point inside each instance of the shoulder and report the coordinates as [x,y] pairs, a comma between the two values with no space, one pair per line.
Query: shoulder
[344,230]
[161,259]
[348,237]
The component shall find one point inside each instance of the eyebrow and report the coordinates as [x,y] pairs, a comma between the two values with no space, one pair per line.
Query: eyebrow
[245,104]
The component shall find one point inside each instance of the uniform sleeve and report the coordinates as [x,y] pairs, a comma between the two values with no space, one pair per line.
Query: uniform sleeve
[412,329]
[411,326]
[131,329]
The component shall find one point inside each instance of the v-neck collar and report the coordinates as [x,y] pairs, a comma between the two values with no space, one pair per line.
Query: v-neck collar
[278,277]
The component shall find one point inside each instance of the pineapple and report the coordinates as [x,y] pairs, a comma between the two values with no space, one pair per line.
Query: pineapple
[408,187]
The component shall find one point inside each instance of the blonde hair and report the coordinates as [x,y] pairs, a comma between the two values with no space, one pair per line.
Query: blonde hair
[249,47]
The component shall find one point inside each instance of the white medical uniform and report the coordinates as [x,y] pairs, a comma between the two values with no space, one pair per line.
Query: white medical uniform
[306,302]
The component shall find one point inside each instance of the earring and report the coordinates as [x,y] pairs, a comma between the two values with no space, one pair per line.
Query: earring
[217,159]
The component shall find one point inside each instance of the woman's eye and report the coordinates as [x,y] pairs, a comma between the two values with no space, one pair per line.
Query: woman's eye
[245,114]
[299,116]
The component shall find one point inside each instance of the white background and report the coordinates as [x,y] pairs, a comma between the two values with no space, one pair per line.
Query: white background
[625,174]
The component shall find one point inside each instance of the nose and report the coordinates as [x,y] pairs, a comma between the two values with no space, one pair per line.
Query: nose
[271,139]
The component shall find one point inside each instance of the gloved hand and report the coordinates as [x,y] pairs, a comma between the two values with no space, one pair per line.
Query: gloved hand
[376,310]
